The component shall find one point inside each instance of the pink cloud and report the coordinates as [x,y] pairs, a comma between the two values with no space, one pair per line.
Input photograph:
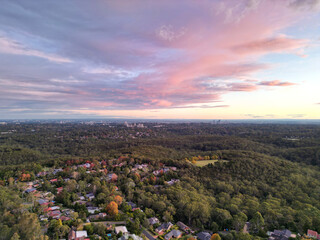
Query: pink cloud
[242,87]
[204,58]
[162,54]
[161,103]
[279,44]
[276,83]
[201,56]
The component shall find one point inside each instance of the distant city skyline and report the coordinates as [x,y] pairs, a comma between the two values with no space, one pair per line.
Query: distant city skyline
[210,59]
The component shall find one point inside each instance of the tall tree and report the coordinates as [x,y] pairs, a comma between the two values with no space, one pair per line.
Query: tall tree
[257,222]
[112,208]
[215,236]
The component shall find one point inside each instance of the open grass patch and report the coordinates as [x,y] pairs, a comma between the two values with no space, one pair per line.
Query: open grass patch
[202,163]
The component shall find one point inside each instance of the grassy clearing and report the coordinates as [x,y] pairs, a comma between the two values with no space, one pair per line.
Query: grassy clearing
[202,163]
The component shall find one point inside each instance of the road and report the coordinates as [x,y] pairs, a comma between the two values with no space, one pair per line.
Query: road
[109,222]
[148,235]
[145,231]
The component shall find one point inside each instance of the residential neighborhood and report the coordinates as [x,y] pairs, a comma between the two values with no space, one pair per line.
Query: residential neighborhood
[62,198]
[60,195]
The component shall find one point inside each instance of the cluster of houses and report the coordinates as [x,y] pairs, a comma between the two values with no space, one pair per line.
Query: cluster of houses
[46,199]
[163,170]
[167,228]
[280,235]
[287,234]
[78,235]
[161,230]
[53,211]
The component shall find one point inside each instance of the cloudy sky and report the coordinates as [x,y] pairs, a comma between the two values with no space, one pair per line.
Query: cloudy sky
[214,59]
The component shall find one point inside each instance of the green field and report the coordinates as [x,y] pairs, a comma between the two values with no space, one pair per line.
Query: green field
[202,163]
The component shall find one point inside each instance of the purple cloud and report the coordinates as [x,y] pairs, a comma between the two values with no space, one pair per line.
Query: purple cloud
[129,55]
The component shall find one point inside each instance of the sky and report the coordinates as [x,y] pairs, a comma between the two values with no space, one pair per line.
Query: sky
[168,59]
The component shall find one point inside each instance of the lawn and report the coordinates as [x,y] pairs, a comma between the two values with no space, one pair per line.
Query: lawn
[202,163]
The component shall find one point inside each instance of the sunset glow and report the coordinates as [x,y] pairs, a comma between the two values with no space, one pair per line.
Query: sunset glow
[160,59]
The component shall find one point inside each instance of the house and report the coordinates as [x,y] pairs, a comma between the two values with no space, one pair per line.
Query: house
[173,181]
[55,171]
[173,234]
[86,165]
[153,220]
[204,236]
[93,217]
[42,201]
[67,211]
[133,205]
[59,190]
[97,216]
[112,177]
[183,227]
[64,218]
[80,202]
[131,236]
[122,229]
[90,196]
[92,210]
[47,209]
[313,234]
[77,235]
[280,235]
[43,219]
[143,167]
[164,227]
[40,174]
[31,190]
[82,198]
[157,172]
[55,214]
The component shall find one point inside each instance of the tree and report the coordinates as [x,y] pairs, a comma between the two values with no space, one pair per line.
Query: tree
[112,208]
[149,212]
[33,229]
[214,227]
[63,230]
[118,199]
[215,236]
[257,222]
[15,236]
[53,227]
[239,220]
[89,228]
[100,229]
[134,227]
[167,216]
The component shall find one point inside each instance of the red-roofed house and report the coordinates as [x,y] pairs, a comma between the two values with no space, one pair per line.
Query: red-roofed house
[112,177]
[47,209]
[59,189]
[64,218]
[313,234]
